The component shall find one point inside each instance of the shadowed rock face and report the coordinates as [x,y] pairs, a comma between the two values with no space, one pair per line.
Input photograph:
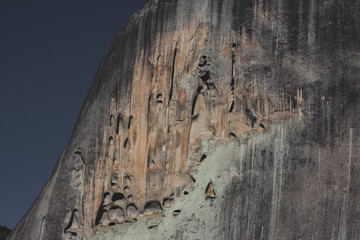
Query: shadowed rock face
[4,232]
[233,119]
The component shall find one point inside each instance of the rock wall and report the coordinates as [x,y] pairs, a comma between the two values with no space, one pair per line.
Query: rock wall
[215,120]
[4,232]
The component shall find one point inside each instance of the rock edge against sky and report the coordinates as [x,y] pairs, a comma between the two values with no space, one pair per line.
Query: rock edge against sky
[215,120]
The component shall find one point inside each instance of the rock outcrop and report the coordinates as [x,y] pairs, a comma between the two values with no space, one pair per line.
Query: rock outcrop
[233,119]
[4,232]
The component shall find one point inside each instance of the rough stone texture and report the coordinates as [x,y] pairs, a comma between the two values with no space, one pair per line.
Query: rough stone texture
[215,120]
[4,232]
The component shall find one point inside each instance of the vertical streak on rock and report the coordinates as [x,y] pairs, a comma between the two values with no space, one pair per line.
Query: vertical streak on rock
[319,167]
[344,210]
[233,64]
[232,84]
[301,22]
[252,162]
[342,226]
[333,233]
[274,197]
[277,180]
[248,222]
[42,228]
[312,24]
[282,150]
[349,163]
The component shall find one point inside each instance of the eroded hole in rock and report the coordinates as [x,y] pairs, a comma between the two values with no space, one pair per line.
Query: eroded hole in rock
[212,87]
[262,126]
[112,224]
[153,226]
[99,216]
[118,197]
[112,120]
[105,221]
[251,116]
[202,61]
[198,90]
[151,163]
[126,143]
[177,190]
[176,212]
[127,190]
[191,177]
[167,202]
[107,198]
[205,75]
[130,198]
[114,180]
[193,106]
[131,122]
[159,98]
[128,180]
[77,152]
[186,192]
[198,105]
[210,192]
[73,224]
[102,217]
[71,235]
[152,207]
[232,135]
[119,123]
[111,140]
[117,214]
[203,157]
[131,210]
[231,107]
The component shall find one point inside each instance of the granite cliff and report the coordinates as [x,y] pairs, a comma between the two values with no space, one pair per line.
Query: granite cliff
[232,119]
[4,232]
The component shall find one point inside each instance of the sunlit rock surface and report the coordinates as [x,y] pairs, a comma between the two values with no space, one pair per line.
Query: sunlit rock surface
[215,120]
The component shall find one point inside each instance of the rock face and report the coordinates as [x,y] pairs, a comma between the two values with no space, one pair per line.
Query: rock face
[215,120]
[4,232]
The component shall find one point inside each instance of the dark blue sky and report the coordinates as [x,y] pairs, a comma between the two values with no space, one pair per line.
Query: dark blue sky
[49,53]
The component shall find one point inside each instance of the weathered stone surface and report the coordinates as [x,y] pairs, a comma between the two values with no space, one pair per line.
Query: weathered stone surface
[4,232]
[215,120]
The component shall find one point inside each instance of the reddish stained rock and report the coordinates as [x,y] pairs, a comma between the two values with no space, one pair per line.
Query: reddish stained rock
[183,71]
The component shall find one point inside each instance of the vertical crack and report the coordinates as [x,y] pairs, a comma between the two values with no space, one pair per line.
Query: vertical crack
[233,67]
[232,84]
[173,74]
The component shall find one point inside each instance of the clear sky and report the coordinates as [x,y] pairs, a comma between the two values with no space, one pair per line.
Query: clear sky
[49,53]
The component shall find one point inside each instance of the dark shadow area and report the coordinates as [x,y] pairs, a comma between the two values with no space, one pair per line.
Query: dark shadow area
[4,232]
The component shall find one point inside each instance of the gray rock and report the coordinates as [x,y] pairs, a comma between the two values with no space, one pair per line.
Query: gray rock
[267,91]
[4,232]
